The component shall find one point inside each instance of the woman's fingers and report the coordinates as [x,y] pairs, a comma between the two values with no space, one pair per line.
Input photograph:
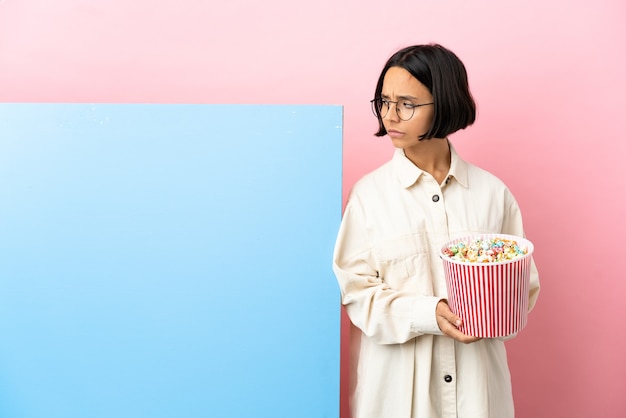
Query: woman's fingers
[449,323]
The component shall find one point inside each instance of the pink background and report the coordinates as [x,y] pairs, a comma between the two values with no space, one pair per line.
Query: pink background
[548,78]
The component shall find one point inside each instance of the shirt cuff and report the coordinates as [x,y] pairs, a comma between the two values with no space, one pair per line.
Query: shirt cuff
[425,314]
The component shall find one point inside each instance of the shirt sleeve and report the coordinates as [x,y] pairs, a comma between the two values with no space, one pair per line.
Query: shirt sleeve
[513,225]
[386,315]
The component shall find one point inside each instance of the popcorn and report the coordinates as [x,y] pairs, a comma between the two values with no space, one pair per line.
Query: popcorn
[491,250]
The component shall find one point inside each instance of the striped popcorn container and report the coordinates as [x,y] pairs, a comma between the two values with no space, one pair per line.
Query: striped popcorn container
[490,297]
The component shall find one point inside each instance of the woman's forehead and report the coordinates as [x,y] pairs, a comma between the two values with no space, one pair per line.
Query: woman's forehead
[398,82]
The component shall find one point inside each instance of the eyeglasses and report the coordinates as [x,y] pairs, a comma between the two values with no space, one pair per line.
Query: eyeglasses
[404,108]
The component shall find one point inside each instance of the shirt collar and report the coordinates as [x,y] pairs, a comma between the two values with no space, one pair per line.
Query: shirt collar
[408,173]
[458,168]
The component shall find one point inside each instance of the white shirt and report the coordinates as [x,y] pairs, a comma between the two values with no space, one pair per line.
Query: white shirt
[391,278]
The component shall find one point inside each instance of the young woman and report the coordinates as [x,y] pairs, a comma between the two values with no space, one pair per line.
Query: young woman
[409,358]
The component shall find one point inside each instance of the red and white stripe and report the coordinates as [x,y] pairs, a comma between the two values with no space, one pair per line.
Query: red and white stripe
[490,298]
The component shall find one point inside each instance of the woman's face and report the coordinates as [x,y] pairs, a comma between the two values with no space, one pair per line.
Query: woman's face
[401,87]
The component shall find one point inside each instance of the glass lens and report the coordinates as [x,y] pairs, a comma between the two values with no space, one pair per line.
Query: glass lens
[379,108]
[405,110]
[375,110]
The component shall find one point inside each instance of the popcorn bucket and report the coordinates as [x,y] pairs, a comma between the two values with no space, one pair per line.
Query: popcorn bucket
[490,297]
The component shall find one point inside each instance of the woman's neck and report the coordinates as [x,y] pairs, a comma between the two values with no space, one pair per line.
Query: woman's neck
[431,156]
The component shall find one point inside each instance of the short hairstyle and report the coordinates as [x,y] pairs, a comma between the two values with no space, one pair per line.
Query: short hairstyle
[443,73]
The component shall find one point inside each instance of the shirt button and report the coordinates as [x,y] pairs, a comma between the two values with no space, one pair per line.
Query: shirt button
[447,378]
[435,198]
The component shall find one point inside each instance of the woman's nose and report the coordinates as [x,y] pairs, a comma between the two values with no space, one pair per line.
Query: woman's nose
[392,114]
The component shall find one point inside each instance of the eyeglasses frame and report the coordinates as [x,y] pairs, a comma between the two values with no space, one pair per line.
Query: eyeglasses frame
[379,114]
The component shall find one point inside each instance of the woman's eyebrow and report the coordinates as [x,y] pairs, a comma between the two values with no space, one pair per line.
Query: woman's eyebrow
[403,97]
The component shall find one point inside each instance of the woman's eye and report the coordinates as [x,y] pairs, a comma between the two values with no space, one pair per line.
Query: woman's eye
[407,105]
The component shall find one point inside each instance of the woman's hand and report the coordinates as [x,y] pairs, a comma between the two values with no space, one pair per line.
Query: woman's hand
[449,324]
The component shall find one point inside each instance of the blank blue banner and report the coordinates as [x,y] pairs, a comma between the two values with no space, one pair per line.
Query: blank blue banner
[169,261]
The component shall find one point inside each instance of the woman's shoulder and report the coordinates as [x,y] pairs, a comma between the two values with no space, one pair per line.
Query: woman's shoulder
[475,175]
[479,176]
[374,180]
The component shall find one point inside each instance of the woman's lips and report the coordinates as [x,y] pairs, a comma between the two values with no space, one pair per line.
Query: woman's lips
[394,133]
